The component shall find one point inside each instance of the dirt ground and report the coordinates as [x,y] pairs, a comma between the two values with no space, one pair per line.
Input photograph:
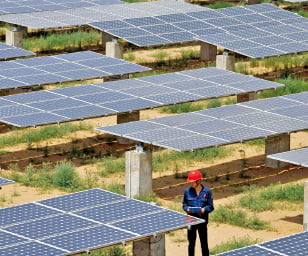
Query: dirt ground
[284,222]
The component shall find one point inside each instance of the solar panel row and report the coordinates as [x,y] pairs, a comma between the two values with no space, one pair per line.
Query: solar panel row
[297,156]
[108,98]
[85,15]
[62,68]
[82,221]
[219,126]
[264,30]
[8,52]
[295,244]
[25,6]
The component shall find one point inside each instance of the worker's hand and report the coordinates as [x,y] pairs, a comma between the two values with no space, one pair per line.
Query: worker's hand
[188,211]
[202,210]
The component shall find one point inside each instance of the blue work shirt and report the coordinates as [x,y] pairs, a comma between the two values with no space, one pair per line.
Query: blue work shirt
[203,200]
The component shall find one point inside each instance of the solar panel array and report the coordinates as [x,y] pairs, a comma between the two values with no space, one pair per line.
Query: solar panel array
[254,30]
[62,68]
[82,221]
[86,15]
[292,245]
[297,156]
[24,6]
[79,102]
[4,181]
[259,31]
[8,52]
[219,126]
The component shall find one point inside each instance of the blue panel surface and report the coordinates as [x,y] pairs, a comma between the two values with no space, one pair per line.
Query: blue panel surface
[23,213]
[297,156]
[32,248]
[18,110]
[50,226]
[270,103]
[51,105]
[130,105]
[81,200]
[191,143]
[9,239]
[117,211]
[4,181]
[89,238]
[182,119]
[156,222]
[84,112]
[249,251]
[173,98]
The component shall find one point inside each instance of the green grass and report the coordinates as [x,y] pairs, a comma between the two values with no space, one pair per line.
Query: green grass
[259,200]
[233,244]
[219,5]
[159,55]
[62,176]
[292,85]
[66,40]
[111,165]
[40,134]
[302,13]
[111,251]
[230,214]
[181,108]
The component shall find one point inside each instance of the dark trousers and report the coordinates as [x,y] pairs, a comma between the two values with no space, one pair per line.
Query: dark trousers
[192,235]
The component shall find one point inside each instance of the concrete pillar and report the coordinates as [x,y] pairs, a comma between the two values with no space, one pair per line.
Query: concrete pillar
[128,117]
[106,38]
[150,246]
[14,36]
[247,97]
[226,62]
[114,50]
[138,173]
[207,51]
[306,206]
[274,145]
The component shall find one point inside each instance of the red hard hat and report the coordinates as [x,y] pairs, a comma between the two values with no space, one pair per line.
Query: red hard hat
[194,175]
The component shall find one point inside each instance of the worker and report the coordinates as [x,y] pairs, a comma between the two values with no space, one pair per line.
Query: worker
[197,202]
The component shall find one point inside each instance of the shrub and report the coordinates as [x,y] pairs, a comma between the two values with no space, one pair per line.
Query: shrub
[65,175]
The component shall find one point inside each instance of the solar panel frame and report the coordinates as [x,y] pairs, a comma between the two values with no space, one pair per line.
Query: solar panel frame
[296,156]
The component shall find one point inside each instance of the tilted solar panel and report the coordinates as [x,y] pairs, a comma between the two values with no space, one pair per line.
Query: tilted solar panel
[224,125]
[62,68]
[9,52]
[297,156]
[86,101]
[82,221]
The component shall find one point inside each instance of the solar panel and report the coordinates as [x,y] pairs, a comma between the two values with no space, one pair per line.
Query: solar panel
[83,221]
[4,181]
[63,67]
[8,52]
[218,126]
[86,101]
[295,244]
[227,27]
[10,6]
[297,156]
[96,13]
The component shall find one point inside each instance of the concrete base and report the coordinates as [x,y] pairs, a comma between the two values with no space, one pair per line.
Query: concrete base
[207,51]
[274,145]
[247,97]
[226,62]
[305,206]
[138,173]
[14,38]
[128,117]
[114,50]
[106,38]
[150,246]
[125,118]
